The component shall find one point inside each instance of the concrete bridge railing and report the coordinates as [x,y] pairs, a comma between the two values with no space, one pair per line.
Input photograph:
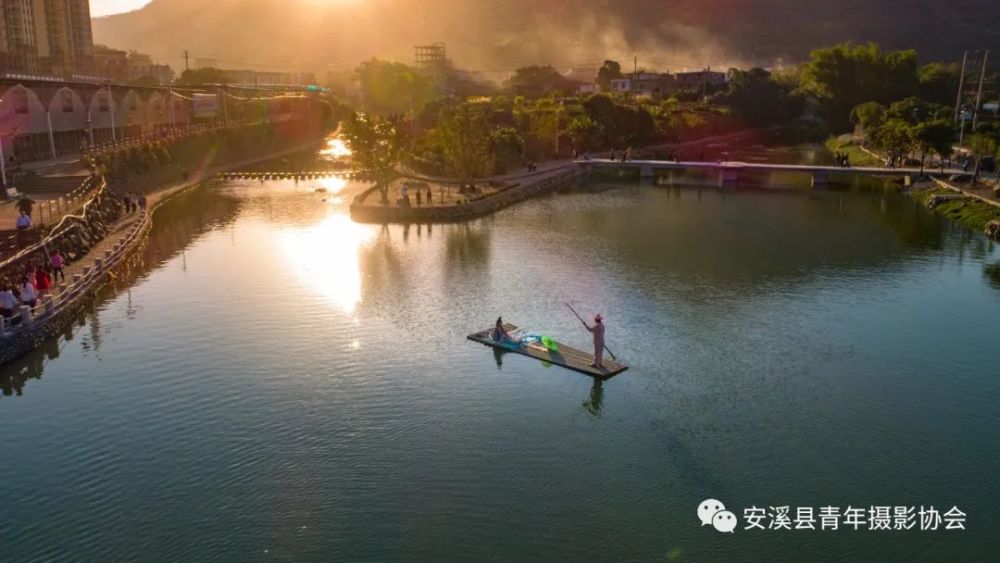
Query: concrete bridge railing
[732,174]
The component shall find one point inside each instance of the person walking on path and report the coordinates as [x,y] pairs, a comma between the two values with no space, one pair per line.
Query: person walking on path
[58,263]
[598,331]
[43,282]
[29,296]
[8,301]
[23,221]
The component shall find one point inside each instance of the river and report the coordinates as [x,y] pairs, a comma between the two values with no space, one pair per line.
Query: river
[278,383]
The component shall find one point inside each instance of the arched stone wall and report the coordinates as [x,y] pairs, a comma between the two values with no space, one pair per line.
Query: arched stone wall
[67,110]
[133,114]
[23,125]
[21,111]
[156,112]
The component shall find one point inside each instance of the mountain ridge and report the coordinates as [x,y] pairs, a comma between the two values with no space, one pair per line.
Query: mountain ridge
[485,34]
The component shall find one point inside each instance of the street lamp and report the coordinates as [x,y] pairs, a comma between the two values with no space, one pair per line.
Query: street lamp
[3,157]
[3,164]
[90,131]
[111,108]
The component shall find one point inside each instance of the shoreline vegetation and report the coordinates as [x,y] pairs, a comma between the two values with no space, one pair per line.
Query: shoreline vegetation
[455,199]
[855,97]
[956,206]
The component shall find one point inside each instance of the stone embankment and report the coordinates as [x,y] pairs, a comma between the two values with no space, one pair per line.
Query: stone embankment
[96,242]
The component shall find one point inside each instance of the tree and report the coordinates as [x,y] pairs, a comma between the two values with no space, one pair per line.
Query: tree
[845,75]
[895,136]
[394,88]
[203,76]
[936,136]
[869,116]
[537,81]
[377,146]
[938,82]
[610,70]
[758,99]
[915,110]
[981,146]
[545,126]
[463,134]
[507,148]
[584,132]
[616,125]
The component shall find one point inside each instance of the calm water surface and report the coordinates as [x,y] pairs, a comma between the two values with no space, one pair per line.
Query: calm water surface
[280,384]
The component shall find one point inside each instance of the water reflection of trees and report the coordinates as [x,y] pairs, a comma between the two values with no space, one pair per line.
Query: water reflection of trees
[749,241]
[15,375]
[467,247]
[182,220]
[177,224]
[992,273]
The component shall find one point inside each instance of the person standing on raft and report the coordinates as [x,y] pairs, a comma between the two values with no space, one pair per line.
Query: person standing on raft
[598,331]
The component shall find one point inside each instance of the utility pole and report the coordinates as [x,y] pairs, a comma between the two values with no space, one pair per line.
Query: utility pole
[961,85]
[635,73]
[704,83]
[170,107]
[979,92]
[3,166]
[186,65]
[111,106]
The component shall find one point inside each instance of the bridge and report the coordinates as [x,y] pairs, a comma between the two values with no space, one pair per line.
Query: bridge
[730,174]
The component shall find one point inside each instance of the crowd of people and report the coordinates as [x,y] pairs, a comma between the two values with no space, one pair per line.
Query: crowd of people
[26,284]
[36,281]
[624,156]
[420,189]
[133,202]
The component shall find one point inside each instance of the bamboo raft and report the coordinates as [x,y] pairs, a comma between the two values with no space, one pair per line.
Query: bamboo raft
[566,356]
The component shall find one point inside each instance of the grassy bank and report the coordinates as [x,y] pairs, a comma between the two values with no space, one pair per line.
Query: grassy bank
[970,212]
[855,153]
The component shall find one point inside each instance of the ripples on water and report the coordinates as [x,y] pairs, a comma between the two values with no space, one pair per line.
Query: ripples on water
[282,383]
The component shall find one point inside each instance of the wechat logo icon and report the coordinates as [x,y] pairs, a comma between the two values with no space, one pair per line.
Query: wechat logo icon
[713,513]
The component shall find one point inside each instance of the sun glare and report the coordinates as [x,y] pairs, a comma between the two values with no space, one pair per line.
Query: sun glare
[336,148]
[326,258]
[333,184]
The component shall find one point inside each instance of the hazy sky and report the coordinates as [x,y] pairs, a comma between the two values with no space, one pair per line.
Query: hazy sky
[105,7]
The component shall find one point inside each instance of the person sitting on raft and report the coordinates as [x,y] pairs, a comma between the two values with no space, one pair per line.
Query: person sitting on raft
[500,334]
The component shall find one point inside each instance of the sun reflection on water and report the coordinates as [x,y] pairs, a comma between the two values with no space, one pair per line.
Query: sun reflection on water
[332,184]
[326,257]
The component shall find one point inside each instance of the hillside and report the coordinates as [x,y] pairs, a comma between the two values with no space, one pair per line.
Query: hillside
[499,34]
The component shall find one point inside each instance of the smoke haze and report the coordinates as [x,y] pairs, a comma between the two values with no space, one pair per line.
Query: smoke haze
[498,35]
